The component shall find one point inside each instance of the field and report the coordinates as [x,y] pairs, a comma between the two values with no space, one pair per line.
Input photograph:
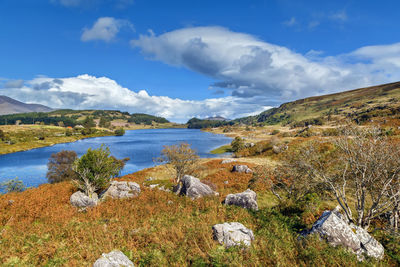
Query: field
[157,228]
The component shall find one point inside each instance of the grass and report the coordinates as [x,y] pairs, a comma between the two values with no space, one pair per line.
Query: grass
[25,137]
[157,228]
[222,150]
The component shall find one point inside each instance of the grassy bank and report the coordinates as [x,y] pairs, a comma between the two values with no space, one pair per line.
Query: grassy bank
[222,150]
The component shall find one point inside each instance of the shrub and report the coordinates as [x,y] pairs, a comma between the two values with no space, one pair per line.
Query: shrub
[119,132]
[68,133]
[237,144]
[95,169]
[13,185]
[182,158]
[60,166]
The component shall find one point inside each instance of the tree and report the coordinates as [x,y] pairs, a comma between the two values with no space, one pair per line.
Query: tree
[59,167]
[13,185]
[237,144]
[104,122]
[363,165]
[182,159]
[119,132]
[95,169]
[89,122]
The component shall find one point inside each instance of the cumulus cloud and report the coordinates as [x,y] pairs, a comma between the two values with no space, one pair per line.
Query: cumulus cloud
[250,67]
[14,84]
[105,29]
[89,92]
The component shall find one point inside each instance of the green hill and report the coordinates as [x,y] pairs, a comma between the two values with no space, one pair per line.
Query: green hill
[360,105]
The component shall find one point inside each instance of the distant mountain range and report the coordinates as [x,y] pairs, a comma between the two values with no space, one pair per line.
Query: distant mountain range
[216,118]
[12,106]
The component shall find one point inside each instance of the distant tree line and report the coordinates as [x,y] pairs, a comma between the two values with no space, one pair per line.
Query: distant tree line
[196,123]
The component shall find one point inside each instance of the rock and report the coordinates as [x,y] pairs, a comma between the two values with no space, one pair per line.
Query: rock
[122,190]
[193,188]
[232,234]
[246,199]
[81,200]
[226,161]
[113,259]
[226,182]
[241,168]
[332,227]
[369,244]
[150,179]
[10,202]
[276,149]
[152,186]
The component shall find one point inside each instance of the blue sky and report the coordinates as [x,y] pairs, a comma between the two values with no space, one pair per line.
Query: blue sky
[181,59]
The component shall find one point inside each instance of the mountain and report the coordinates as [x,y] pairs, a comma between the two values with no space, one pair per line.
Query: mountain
[360,105]
[12,106]
[216,118]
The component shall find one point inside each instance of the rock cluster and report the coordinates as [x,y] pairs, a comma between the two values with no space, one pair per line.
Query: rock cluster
[242,169]
[246,199]
[122,190]
[193,188]
[113,259]
[332,227]
[232,234]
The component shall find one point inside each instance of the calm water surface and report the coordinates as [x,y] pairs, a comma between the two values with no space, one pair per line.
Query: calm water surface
[141,146]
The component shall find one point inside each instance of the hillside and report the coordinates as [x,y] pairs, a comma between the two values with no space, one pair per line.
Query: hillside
[12,106]
[69,117]
[359,105]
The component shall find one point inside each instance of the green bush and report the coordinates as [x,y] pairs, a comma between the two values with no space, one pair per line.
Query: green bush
[237,144]
[95,169]
[119,132]
[13,185]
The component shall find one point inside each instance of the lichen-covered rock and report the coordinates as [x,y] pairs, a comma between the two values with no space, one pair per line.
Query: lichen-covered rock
[226,161]
[370,245]
[193,188]
[113,259]
[122,190]
[81,200]
[241,168]
[246,199]
[332,227]
[232,234]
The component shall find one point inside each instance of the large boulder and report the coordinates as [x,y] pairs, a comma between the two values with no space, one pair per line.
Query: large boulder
[113,259]
[122,190]
[332,227]
[246,199]
[193,188]
[241,168]
[232,234]
[81,200]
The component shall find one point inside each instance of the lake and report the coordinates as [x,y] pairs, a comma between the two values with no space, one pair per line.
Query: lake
[141,146]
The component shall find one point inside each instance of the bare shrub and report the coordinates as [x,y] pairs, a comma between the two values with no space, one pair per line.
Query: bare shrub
[59,167]
[182,160]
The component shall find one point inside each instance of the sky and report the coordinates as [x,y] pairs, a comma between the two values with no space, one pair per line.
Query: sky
[184,59]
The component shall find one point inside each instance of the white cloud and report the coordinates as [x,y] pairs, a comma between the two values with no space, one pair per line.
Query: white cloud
[339,16]
[291,22]
[105,29]
[89,92]
[253,68]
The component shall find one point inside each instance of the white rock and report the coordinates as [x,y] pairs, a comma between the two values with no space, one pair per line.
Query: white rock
[232,234]
[113,259]
[81,200]
[246,199]
[122,190]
